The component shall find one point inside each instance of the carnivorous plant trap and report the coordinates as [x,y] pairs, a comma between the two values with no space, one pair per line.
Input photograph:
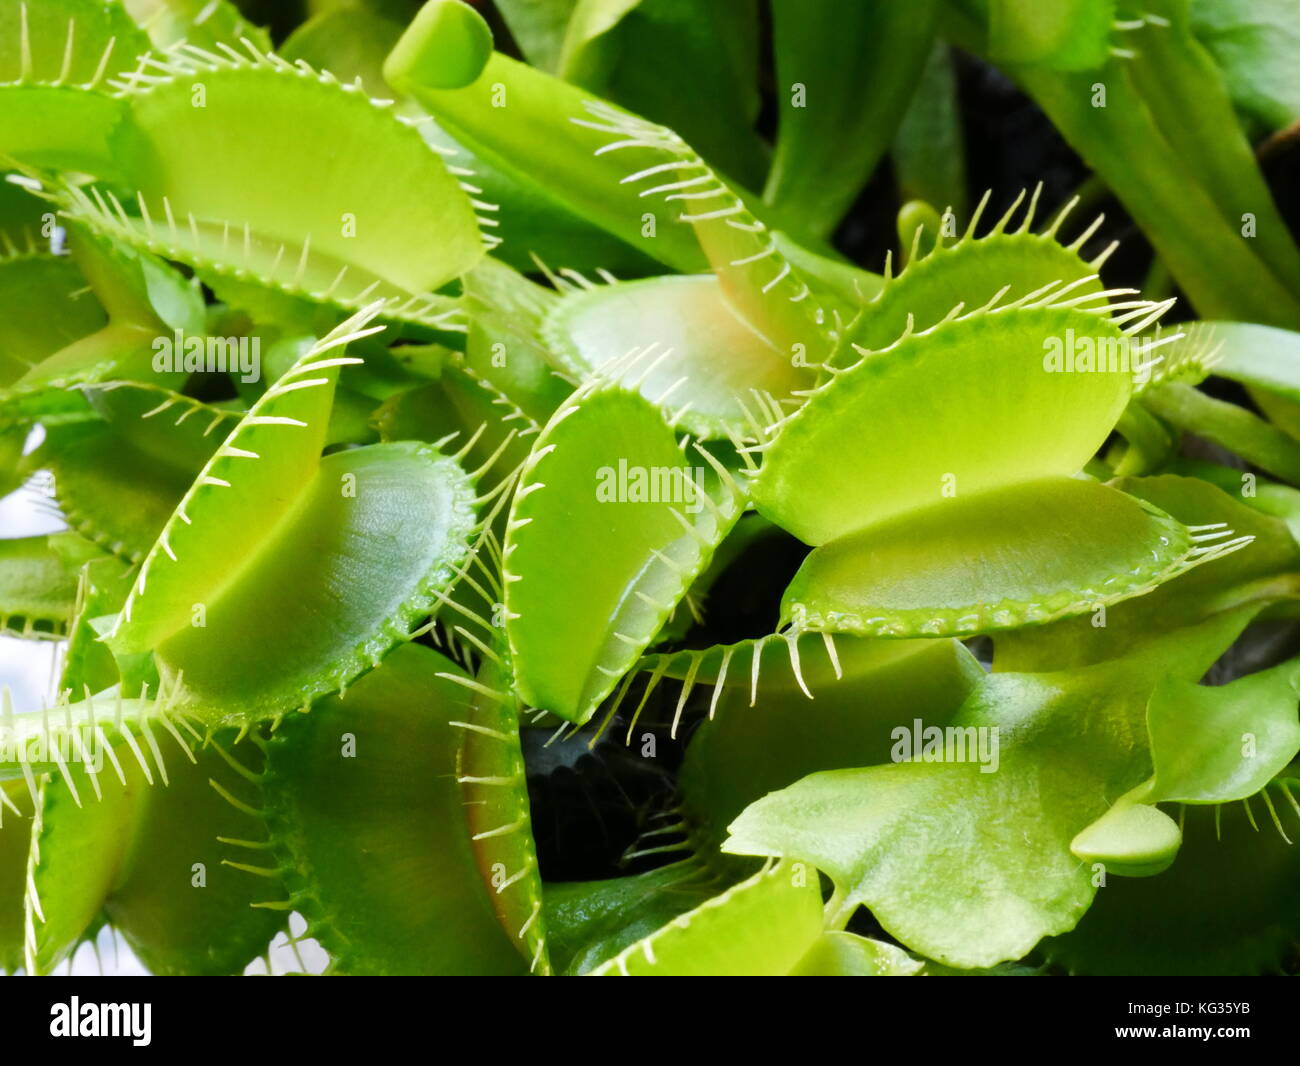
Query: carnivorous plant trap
[598,487]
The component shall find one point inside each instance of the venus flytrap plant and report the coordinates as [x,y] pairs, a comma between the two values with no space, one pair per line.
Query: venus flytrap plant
[565,437]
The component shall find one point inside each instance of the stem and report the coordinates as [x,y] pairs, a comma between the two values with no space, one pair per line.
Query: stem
[1229,426]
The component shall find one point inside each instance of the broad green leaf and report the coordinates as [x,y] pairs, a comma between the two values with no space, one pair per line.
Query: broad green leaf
[1229,905]
[119,480]
[341,246]
[610,503]
[928,151]
[42,311]
[1224,743]
[591,921]
[1029,423]
[704,359]
[1255,575]
[845,74]
[927,846]
[618,49]
[764,732]
[761,927]
[1007,264]
[839,954]
[1254,43]
[1001,559]
[142,845]
[368,828]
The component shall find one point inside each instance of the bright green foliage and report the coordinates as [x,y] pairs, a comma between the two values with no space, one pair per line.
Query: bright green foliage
[595,570]
[385,755]
[608,468]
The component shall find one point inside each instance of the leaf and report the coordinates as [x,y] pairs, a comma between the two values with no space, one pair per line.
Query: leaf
[1005,265]
[706,361]
[1229,904]
[366,823]
[490,770]
[1001,559]
[1189,194]
[840,954]
[765,731]
[61,909]
[539,109]
[928,151]
[38,584]
[926,845]
[448,46]
[761,927]
[1249,576]
[591,921]
[539,28]
[1256,355]
[608,502]
[55,61]
[1218,744]
[319,637]
[118,480]
[116,837]
[505,349]
[42,314]
[341,246]
[88,665]
[361,543]
[1253,44]
[1132,839]
[15,842]
[66,41]
[617,48]
[1228,425]
[206,23]
[1028,424]
[1074,35]
[845,75]
[187,831]
[352,43]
